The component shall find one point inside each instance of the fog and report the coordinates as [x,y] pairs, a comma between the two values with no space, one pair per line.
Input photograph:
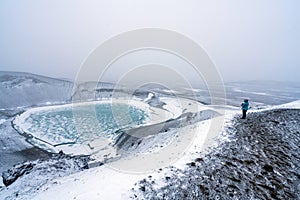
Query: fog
[246,40]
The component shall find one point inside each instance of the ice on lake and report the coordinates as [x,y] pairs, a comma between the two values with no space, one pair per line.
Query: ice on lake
[75,124]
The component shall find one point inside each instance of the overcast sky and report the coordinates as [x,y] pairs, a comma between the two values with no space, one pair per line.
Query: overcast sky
[247,40]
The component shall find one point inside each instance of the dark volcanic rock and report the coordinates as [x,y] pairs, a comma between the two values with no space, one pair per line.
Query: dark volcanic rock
[261,160]
[14,173]
[59,164]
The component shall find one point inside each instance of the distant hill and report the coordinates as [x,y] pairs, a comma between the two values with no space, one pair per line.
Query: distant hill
[20,89]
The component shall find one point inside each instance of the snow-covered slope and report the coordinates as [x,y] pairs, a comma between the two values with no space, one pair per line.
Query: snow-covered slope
[23,90]
[94,90]
[106,182]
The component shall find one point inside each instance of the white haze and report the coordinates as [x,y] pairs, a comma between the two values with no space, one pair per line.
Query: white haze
[247,40]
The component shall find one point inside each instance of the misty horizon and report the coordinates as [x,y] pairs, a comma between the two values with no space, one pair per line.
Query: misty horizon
[247,41]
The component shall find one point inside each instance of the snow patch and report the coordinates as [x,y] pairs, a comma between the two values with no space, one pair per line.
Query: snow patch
[2,121]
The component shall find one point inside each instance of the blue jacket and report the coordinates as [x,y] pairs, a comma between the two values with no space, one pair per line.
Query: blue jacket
[245,105]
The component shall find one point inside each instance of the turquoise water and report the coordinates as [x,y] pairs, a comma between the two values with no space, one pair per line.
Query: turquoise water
[75,125]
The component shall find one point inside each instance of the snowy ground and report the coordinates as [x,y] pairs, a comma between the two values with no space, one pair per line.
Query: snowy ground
[114,179]
[156,163]
[110,182]
[260,160]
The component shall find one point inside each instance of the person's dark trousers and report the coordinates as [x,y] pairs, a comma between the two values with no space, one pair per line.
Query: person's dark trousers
[244,114]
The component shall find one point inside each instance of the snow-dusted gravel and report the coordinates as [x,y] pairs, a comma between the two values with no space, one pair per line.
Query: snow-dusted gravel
[261,160]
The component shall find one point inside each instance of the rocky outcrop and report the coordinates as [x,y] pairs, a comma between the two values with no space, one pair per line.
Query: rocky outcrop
[127,139]
[60,164]
[15,172]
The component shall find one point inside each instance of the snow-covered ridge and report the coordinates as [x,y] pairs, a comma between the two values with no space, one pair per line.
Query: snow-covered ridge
[21,90]
[24,90]
[291,105]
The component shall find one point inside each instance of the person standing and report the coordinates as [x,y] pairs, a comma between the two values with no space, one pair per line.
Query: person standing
[245,107]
